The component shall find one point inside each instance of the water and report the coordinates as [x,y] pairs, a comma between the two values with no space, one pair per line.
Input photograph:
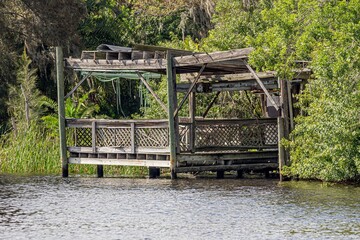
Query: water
[117,208]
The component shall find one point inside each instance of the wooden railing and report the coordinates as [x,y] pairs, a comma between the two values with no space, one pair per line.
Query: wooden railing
[152,136]
[118,136]
[228,134]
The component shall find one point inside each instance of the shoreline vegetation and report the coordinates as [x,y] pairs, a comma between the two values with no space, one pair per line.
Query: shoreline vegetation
[325,144]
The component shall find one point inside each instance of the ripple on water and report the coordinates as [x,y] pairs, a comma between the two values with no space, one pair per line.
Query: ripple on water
[117,208]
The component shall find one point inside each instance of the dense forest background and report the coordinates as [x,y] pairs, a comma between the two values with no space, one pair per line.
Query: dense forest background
[326,142]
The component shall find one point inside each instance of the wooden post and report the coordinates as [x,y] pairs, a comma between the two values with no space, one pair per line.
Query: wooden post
[100,171]
[171,105]
[192,114]
[132,134]
[291,111]
[93,136]
[239,174]
[154,172]
[285,115]
[220,174]
[61,110]
[100,168]
[280,147]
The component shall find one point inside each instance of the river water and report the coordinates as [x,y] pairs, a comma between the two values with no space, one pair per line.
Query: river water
[116,208]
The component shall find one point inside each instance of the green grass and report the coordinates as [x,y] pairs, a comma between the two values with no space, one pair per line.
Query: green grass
[36,152]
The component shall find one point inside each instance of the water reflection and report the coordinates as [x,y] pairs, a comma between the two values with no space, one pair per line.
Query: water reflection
[117,208]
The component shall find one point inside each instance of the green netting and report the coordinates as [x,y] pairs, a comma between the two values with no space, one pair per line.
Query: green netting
[117,77]
[132,75]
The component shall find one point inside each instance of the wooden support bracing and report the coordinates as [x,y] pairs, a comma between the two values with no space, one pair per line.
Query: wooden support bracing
[152,91]
[210,105]
[78,85]
[261,85]
[61,110]
[190,90]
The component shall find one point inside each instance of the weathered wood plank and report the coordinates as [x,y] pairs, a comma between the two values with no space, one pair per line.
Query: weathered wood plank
[103,123]
[132,136]
[61,110]
[191,87]
[189,77]
[171,86]
[103,64]
[120,162]
[216,148]
[281,147]
[203,58]
[256,166]
[227,156]
[152,92]
[261,84]
[192,114]
[119,150]
[234,121]
[93,136]
[269,84]
[229,161]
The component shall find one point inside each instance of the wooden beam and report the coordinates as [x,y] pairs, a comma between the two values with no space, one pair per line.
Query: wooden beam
[61,110]
[109,123]
[203,58]
[227,156]
[119,162]
[258,166]
[262,85]
[192,115]
[103,64]
[124,150]
[189,77]
[270,84]
[151,91]
[189,91]
[280,146]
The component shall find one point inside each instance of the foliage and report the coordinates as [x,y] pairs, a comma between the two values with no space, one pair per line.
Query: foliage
[23,104]
[326,33]
[31,151]
[326,139]
[79,108]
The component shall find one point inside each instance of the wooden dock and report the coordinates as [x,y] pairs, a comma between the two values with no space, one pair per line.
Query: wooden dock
[191,144]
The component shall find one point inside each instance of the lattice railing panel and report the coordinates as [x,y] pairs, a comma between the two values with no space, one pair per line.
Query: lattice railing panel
[236,135]
[152,137]
[184,137]
[83,137]
[113,137]
[270,134]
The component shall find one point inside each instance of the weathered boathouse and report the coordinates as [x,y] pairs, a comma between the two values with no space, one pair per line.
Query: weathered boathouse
[190,144]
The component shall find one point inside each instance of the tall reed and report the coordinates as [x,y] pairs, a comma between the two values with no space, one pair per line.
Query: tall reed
[36,152]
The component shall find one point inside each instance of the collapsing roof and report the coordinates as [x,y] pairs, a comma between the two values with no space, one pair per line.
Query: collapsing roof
[113,58]
[109,58]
